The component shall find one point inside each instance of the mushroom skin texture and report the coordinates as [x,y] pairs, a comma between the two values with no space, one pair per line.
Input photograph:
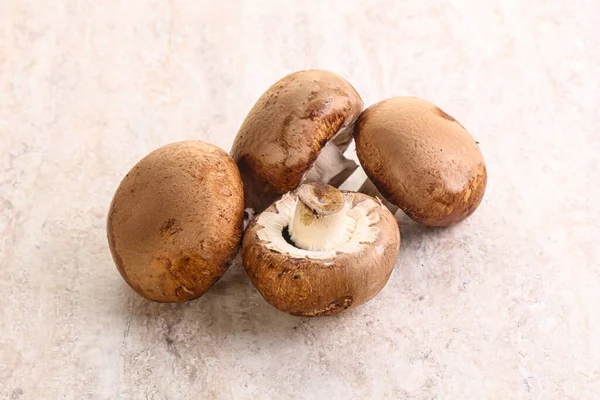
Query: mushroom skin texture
[421,159]
[312,283]
[299,117]
[175,221]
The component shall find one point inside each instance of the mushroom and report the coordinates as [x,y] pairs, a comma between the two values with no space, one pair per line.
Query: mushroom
[318,250]
[296,132]
[421,160]
[175,221]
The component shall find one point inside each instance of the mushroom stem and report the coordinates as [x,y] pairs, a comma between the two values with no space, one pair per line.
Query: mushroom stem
[369,188]
[320,219]
[331,166]
[344,136]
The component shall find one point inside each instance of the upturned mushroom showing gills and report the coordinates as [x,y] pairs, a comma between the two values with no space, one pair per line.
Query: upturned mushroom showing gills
[175,221]
[420,159]
[318,251]
[296,132]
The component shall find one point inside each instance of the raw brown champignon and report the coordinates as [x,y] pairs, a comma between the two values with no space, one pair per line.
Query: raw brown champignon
[318,250]
[421,160]
[296,132]
[175,221]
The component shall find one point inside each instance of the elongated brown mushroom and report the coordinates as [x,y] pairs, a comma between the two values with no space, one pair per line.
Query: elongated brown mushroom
[318,250]
[296,132]
[175,221]
[420,159]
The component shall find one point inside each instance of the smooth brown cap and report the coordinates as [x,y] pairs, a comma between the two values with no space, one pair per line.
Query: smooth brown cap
[176,220]
[286,129]
[421,159]
[309,287]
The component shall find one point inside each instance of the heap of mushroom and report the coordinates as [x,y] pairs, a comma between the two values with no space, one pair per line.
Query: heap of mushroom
[176,220]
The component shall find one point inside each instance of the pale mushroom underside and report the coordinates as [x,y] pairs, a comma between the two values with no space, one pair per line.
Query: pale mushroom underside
[363,229]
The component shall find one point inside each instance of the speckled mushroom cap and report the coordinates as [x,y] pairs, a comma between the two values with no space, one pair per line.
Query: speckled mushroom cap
[175,221]
[286,129]
[421,159]
[318,283]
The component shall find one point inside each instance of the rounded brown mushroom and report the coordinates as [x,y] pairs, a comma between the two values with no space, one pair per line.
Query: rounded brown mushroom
[296,132]
[175,221]
[421,160]
[318,250]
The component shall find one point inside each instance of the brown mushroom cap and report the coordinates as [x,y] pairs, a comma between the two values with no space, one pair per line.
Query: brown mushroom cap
[175,221]
[421,159]
[309,284]
[283,134]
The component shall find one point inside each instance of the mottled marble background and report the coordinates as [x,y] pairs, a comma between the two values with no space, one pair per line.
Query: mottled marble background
[503,306]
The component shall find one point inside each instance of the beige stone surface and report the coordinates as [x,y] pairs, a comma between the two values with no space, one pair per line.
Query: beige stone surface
[503,306]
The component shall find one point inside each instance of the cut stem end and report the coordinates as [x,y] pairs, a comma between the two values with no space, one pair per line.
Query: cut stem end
[320,219]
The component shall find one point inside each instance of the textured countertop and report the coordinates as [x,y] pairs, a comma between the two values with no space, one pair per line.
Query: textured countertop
[504,305]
